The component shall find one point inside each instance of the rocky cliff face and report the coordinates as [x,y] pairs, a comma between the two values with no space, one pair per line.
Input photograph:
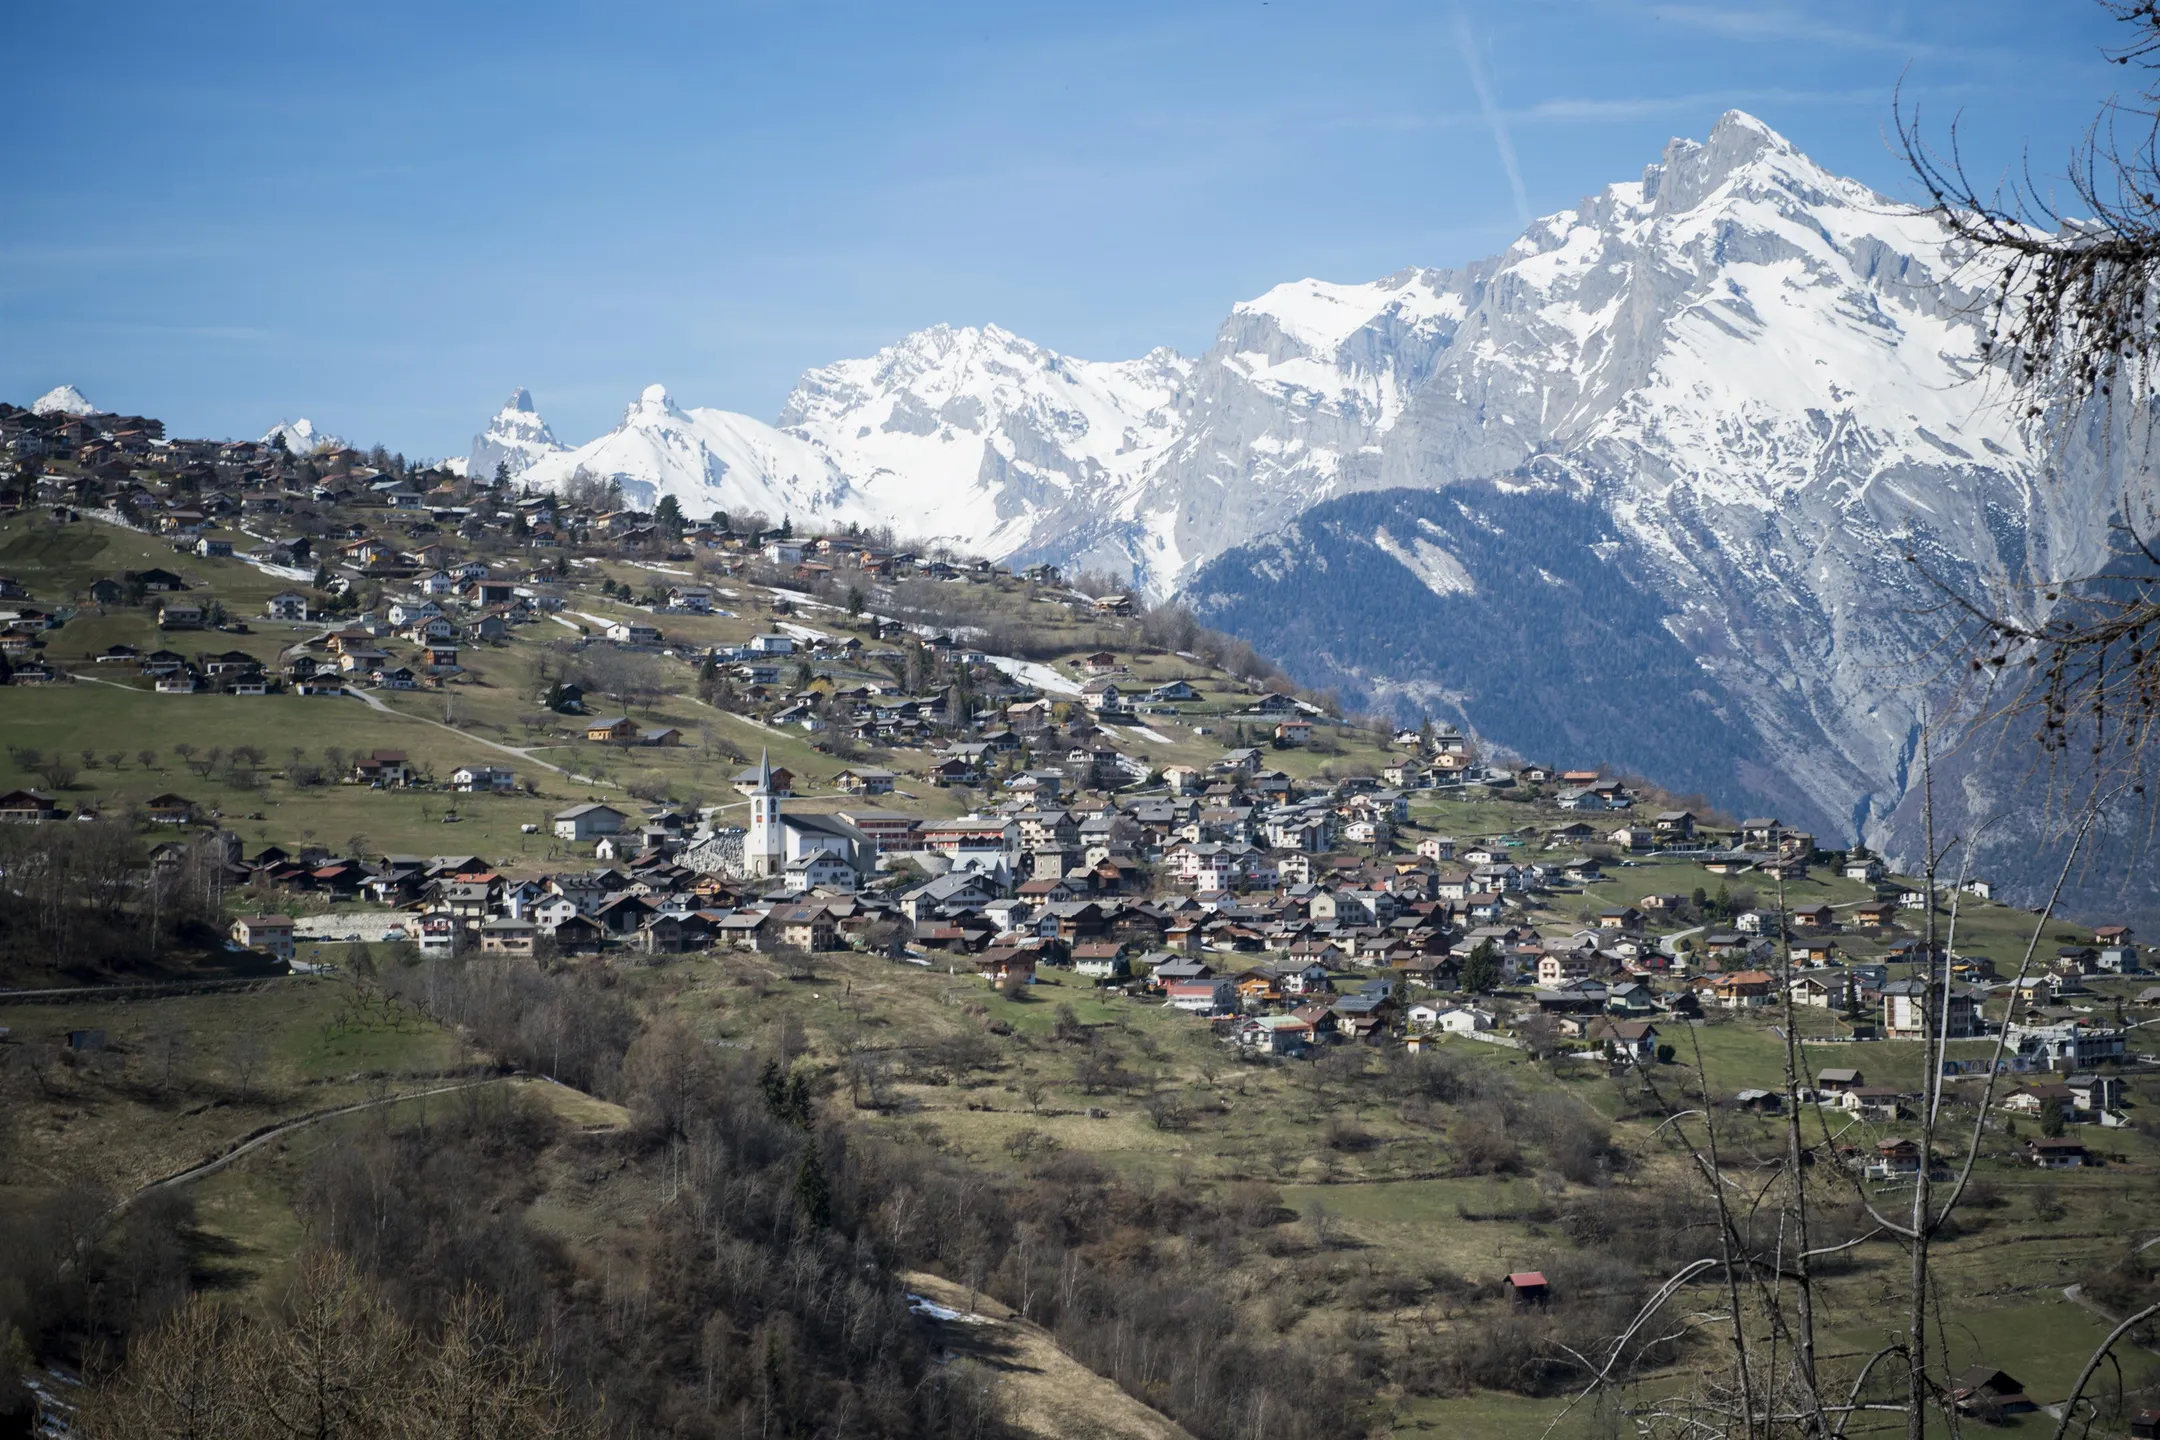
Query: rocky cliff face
[516,439]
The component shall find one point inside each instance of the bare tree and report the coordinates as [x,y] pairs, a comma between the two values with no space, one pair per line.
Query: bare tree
[245,1054]
[2071,331]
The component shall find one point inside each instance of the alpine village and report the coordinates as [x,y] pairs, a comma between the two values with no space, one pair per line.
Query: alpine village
[727,945]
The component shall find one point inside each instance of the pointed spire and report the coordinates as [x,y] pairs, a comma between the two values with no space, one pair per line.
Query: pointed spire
[764,771]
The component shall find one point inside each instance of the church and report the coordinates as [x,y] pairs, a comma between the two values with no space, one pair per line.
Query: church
[805,850]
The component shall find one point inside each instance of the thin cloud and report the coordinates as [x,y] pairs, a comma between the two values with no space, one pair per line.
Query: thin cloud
[1566,109]
[1630,108]
[1489,111]
[1771,24]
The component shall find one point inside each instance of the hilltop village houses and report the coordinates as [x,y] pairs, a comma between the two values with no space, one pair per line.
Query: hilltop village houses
[1286,905]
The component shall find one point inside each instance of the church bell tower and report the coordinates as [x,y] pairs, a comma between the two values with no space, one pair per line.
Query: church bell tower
[765,849]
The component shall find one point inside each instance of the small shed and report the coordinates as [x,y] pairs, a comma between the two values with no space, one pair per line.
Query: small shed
[86,1039]
[1529,1287]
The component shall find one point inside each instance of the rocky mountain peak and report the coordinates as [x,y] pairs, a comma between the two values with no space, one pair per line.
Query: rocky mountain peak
[654,400]
[63,400]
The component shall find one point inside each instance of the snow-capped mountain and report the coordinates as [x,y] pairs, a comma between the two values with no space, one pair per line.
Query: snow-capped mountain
[63,400]
[989,439]
[301,437]
[708,460]
[517,439]
[1701,418]
[1744,389]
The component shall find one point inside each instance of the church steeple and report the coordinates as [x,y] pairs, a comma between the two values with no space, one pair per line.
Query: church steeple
[767,847]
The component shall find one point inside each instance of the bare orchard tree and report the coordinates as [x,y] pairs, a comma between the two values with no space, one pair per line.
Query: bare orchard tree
[631,678]
[245,1054]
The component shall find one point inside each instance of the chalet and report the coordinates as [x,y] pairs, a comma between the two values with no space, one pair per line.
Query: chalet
[1822,992]
[1674,825]
[1103,695]
[1761,833]
[611,730]
[1275,1034]
[780,779]
[1211,995]
[1874,913]
[2057,1154]
[502,935]
[29,806]
[2034,1100]
[169,809]
[1454,1019]
[287,605]
[588,821]
[1007,965]
[271,933]
[1102,960]
[1870,1102]
[1895,1156]
[1910,1011]
[799,927]
[1743,989]
[383,767]
[864,780]
[1991,1394]
[1633,1039]
[483,778]
[1814,917]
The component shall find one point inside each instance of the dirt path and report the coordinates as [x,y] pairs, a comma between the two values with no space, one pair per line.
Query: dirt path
[279,1131]
[1044,1392]
[526,755]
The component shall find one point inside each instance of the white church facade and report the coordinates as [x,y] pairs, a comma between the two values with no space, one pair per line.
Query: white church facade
[805,850]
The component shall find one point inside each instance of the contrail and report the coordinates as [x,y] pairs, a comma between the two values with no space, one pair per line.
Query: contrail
[1489,109]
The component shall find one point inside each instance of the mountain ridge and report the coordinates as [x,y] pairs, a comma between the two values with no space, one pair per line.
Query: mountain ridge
[1763,381]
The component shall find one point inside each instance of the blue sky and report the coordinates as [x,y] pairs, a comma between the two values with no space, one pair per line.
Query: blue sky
[386,215]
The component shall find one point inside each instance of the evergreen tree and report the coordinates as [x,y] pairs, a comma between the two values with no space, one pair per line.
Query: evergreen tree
[668,515]
[813,1192]
[2051,1118]
[1481,969]
[772,1081]
[502,472]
